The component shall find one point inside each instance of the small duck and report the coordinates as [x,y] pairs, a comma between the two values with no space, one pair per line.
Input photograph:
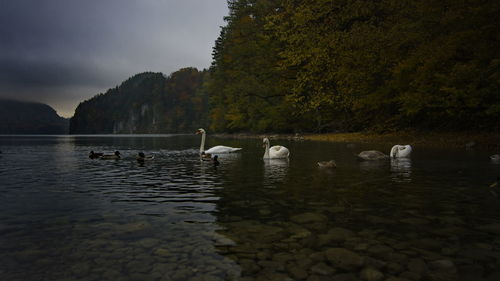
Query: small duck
[371,155]
[215,161]
[141,157]
[205,156]
[94,155]
[494,187]
[327,164]
[114,156]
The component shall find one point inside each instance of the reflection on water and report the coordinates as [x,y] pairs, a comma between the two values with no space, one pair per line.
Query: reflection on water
[375,165]
[275,171]
[401,169]
[64,216]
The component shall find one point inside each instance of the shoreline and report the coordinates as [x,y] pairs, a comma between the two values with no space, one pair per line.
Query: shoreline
[455,139]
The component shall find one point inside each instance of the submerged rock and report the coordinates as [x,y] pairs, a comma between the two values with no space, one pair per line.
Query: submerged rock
[343,258]
[306,218]
[371,274]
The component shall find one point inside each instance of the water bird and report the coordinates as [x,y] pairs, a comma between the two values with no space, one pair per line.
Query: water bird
[141,157]
[114,156]
[327,164]
[94,155]
[401,151]
[205,156]
[219,149]
[371,155]
[274,152]
[495,157]
[215,160]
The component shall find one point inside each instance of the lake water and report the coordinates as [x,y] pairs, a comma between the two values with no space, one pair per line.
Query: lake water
[64,216]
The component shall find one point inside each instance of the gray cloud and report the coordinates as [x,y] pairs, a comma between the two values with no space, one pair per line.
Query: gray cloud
[54,51]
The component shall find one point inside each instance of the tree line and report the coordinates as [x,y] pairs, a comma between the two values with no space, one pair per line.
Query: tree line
[340,65]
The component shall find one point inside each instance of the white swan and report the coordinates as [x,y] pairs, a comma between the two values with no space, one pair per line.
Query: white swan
[219,149]
[371,155]
[400,151]
[274,152]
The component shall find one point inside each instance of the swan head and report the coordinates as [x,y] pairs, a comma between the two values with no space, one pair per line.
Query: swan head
[265,141]
[200,131]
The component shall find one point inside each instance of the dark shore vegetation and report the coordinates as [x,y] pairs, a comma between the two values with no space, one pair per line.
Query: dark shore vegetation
[322,66]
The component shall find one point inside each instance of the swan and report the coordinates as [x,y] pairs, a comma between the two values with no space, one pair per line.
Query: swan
[115,156]
[216,149]
[274,152]
[141,157]
[371,155]
[327,164]
[400,151]
[94,155]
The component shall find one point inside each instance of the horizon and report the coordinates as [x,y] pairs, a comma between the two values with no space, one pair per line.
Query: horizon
[62,54]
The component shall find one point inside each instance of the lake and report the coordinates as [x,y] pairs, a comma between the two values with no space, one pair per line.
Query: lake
[64,216]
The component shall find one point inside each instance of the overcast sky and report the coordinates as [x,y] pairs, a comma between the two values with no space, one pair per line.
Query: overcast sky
[61,52]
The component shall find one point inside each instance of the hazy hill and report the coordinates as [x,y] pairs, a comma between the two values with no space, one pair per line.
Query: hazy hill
[17,117]
[146,103]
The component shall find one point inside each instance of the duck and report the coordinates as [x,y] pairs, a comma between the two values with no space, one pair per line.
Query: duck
[327,164]
[495,157]
[205,156]
[114,156]
[141,157]
[219,149]
[274,152]
[215,161]
[400,151]
[371,155]
[94,155]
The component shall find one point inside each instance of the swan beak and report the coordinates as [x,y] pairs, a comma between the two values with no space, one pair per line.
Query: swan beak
[198,132]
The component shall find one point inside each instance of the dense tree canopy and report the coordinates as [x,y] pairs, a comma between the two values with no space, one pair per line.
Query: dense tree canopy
[146,103]
[324,65]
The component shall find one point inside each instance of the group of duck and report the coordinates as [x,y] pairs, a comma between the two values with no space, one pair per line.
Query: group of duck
[116,156]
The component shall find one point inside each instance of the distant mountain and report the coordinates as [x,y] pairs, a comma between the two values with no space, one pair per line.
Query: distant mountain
[146,103]
[17,117]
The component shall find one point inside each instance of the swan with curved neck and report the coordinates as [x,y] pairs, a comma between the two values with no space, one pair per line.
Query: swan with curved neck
[274,152]
[219,149]
[401,151]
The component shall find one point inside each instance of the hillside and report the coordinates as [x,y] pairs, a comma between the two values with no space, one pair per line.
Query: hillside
[19,117]
[145,103]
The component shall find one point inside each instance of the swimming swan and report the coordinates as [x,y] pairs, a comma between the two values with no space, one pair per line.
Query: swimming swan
[371,155]
[401,151]
[219,149]
[274,152]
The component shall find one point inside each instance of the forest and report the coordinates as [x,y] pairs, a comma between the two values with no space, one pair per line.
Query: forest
[146,103]
[356,65]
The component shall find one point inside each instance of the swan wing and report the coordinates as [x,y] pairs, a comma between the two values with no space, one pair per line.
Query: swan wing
[278,151]
[222,149]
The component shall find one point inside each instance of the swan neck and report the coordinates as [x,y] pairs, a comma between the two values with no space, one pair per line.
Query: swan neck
[202,145]
[266,153]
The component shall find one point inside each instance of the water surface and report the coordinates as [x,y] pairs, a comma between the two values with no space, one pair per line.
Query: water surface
[64,216]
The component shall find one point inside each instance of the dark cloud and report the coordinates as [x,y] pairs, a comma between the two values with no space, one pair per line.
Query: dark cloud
[55,50]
